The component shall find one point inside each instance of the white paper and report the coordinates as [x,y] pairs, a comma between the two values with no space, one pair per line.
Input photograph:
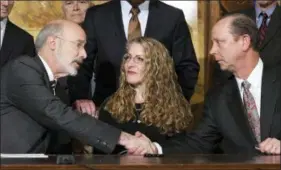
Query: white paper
[4,155]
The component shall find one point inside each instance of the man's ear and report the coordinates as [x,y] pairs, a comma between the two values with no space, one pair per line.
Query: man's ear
[51,42]
[246,42]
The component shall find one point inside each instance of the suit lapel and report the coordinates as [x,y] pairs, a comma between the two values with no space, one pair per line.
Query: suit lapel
[273,26]
[153,19]
[8,45]
[45,74]
[116,17]
[269,93]
[236,108]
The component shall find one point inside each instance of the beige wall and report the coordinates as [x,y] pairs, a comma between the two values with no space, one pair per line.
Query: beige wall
[32,15]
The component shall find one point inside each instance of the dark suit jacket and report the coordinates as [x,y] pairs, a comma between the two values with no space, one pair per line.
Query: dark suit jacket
[16,42]
[106,47]
[29,111]
[225,122]
[60,142]
[270,50]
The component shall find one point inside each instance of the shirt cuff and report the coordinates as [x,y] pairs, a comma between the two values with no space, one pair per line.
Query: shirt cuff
[159,148]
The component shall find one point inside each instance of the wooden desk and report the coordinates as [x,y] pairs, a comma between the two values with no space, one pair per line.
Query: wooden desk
[171,162]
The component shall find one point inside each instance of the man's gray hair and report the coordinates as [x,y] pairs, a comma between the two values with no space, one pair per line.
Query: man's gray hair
[52,29]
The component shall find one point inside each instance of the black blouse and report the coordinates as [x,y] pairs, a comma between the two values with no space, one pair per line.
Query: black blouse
[132,126]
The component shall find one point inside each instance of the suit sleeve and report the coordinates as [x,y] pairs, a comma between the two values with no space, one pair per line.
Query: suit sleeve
[30,94]
[79,86]
[203,140]
[186,63]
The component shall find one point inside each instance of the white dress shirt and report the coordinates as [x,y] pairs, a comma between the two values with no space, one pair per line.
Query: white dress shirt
[142,16]
[48,69]
[3,28]
[255,79]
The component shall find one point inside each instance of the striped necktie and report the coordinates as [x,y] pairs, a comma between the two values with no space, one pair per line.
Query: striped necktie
[134,29]
[263,28]
[53,85]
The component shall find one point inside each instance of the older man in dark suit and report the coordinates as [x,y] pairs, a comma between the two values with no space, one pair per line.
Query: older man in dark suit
[30,110]
[14,40]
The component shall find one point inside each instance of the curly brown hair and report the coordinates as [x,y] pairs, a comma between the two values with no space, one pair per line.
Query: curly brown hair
[165,107]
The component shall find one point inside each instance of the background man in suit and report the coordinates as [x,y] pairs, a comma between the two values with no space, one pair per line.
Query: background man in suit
[108,26]
[267,15]
[29,107]
[75,11]
[14,40]
[243,115]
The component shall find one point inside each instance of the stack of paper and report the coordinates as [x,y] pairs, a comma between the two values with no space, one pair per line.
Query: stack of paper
[4,155]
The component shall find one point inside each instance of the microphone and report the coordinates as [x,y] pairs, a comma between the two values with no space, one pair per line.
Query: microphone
[65,159]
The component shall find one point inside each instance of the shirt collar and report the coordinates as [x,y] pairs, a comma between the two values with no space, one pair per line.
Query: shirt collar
[126,6]
[268,11]
[48,69]
[255,78]
[4,23]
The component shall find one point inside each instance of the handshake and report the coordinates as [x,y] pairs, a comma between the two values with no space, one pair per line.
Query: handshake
[138,144]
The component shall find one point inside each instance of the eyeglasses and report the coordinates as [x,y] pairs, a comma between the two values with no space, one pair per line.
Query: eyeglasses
[137,59]
[78,44]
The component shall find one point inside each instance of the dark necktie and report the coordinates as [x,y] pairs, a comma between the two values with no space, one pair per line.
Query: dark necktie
[263,28]
[134,29]
[53,85]
[252,111]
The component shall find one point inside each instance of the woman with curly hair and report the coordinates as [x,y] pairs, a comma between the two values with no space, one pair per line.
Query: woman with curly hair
[149,98]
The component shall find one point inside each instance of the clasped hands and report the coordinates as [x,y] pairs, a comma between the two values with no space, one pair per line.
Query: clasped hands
[140,145]
[135,145]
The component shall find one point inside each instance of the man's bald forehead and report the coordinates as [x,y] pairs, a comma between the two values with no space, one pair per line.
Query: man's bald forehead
[228,20]
[66,26]
[240,24]
[225,21]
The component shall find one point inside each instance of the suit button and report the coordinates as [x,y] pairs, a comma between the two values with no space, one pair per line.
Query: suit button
[98,140]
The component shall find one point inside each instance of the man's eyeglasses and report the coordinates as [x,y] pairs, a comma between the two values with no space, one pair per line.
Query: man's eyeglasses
[78,44]
[137,59]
